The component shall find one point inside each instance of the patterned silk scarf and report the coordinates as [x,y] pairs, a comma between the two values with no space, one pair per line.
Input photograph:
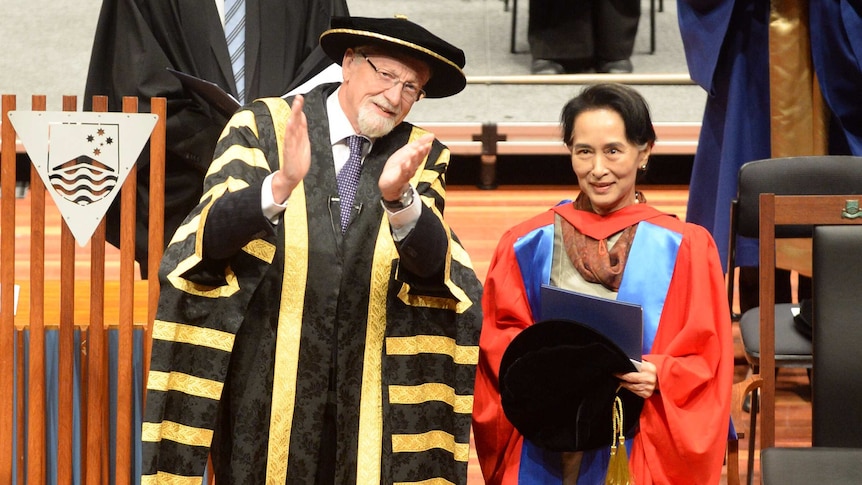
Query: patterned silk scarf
[591,257]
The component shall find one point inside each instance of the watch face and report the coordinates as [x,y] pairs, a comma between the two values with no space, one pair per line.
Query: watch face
[404,200]
[406,197]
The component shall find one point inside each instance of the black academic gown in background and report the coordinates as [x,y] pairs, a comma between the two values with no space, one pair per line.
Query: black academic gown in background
[585,31]
[137,40]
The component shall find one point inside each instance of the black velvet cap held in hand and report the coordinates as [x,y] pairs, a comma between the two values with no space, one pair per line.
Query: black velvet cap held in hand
[445,60]
[557,386]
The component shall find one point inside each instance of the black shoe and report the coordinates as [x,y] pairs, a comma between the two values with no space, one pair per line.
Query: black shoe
[545,66]
[616,67]
[578,66]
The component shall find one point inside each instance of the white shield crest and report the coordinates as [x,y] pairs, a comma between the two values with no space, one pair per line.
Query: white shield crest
[83,158]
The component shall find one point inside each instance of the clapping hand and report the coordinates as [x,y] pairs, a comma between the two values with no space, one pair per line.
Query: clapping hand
[402,165]
[296,154]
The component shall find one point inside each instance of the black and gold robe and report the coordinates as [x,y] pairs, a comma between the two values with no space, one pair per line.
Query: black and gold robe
[243,345]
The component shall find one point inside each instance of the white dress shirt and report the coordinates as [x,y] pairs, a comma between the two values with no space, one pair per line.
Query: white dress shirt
[402,221]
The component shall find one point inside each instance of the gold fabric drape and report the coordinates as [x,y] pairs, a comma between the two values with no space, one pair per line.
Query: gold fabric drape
[797,112]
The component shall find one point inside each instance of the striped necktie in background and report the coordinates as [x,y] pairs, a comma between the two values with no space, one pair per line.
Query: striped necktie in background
[234,31]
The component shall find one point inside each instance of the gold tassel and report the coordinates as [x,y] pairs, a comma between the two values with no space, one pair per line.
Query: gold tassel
[618,468]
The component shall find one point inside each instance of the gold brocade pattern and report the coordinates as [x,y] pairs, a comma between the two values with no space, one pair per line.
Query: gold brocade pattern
[422,175]
[289,319]
[371,406]
[459,254]
[229,185]
[182,284]
[429,176]
[432,344]
[426,301]
[163,478]
[455,252]
[431,392]
[187,334]
[430,481]
[176,432]
[187,229]
[415,443]
[261,250]
[462,256]
[177,381]
[252,157]
[798,121]
[461,302]
[199,230]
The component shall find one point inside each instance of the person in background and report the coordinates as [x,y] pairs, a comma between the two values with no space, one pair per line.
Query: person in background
[136,41]
[581,36]
[727,51]
[610,243]
[781,80]
[836,49]
[318,320]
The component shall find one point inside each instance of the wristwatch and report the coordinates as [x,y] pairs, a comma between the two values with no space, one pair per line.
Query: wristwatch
[404,200]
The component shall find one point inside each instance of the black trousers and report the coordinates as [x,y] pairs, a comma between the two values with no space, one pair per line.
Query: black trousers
[583,30]
[328,444]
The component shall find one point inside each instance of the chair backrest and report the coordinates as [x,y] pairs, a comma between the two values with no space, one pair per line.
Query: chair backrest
[811,175]
[837,337]
[776,211]
[73,358]
[807,175]
[804,466]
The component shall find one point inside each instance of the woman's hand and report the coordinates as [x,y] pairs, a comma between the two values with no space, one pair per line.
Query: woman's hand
[643,383]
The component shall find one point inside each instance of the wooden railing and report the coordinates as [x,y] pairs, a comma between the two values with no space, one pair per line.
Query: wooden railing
[489,140]
[50,321]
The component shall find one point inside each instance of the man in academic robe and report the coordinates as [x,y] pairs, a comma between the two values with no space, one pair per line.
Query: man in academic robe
[305,339]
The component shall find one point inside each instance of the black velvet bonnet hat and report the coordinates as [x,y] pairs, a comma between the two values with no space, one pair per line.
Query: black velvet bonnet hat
[445,60]
[558,389]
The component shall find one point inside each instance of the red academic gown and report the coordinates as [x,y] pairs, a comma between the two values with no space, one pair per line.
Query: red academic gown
[683,427]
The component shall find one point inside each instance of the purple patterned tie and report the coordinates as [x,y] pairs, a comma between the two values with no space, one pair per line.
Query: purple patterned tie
[348,178]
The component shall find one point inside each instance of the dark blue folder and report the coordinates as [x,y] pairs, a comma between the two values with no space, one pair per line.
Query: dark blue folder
[619,321]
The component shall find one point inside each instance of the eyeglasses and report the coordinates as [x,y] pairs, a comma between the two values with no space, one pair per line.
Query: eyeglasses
[410,92]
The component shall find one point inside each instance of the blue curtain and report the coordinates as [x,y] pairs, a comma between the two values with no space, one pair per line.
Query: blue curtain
[52,346]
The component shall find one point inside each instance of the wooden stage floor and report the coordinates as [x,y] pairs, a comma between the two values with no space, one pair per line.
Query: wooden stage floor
[478,217]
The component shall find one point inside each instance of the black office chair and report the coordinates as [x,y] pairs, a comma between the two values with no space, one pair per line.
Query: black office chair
[804,466]
[809,175]
[836,453]
[836,403]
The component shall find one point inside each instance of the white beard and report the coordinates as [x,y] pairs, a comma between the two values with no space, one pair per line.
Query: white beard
[372,124]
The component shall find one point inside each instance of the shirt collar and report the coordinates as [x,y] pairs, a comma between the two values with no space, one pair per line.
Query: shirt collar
[339,126]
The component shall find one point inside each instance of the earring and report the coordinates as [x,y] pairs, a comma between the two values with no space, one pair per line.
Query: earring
[642,168]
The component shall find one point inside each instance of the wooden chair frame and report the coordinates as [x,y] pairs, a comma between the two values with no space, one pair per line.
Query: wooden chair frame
[777,210]
[741,389]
